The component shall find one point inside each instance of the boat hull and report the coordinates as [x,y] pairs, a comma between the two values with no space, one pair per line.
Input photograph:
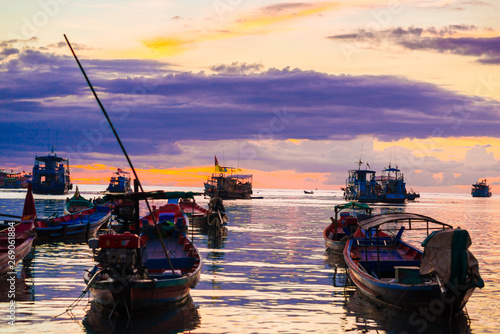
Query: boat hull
[228,194]
[78,228]
[416,297]
[25,236]
[334,245]
[156,282]
[144,295]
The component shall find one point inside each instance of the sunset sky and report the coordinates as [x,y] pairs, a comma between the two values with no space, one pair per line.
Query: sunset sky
[293,92]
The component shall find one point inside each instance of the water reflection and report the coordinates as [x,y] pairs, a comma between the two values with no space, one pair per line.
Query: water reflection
[23,287]
[181,319]
[269,274]
[374,318]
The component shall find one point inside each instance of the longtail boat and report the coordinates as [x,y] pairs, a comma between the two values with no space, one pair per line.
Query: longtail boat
[212,218]
[16,238]
[392,272]
[74,226]
[77,203]
[343,225]
[152,266]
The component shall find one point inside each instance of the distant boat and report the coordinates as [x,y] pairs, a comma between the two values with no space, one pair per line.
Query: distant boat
[361,185]
[120,183]
[392,272]
[308,192]
[393,187]
[80,225]
[228,186]
[343,225]
[148,272]
[14,180]
[77,203]
[22,233]
[411,195]
[481,189]
[51,175]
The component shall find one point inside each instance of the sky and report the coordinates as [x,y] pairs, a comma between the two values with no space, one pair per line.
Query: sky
[295,93]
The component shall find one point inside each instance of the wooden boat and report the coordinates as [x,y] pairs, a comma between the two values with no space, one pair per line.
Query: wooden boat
[481,189]
[308,192]
[14,180]
[343,225]
[16,238]
[51,175]
[392,272]
[145,273]
[227,183]
[74,226]
[212,218]
[77,203]
[119,184]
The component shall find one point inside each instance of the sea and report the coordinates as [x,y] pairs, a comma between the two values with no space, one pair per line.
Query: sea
[270,273]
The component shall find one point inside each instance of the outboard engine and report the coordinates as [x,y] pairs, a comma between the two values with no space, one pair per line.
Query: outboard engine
[117,251]
[447,255]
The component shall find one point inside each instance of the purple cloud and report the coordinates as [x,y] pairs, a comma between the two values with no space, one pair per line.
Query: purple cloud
[488,49]
[44,98]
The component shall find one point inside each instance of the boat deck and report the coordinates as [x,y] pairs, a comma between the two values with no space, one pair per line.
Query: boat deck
[175,247]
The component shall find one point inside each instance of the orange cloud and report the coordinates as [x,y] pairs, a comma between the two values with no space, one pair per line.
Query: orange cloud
[194,176]
[250,25]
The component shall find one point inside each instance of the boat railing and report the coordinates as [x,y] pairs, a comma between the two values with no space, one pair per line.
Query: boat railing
[48,168]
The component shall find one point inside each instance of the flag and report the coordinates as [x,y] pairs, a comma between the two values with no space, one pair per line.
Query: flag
[218,168]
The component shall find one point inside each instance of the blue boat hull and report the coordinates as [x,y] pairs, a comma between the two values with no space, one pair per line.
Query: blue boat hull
[82,227]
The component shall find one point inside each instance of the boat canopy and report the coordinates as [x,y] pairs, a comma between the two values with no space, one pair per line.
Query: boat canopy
[376,221]
[352,205]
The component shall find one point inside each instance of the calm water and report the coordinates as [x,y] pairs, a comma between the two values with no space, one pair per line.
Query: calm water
[269,274]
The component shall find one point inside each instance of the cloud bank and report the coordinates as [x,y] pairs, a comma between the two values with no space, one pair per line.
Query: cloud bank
[44,101]
[441,40]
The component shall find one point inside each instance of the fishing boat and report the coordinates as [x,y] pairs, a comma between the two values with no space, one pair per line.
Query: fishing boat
[481,189]
[77,203]
[361,185]
[343,225]
[393,186]
[51,175]
[308,192]
[412,195]
[16,238]
[149,268]
[74,226]
[14,180]
[152,266]
[226,183]
[119,182]
[390,271]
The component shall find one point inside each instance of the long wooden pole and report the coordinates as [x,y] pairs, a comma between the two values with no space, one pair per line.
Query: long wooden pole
[121,146]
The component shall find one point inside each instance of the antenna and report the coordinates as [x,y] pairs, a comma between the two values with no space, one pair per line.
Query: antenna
[121,145]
